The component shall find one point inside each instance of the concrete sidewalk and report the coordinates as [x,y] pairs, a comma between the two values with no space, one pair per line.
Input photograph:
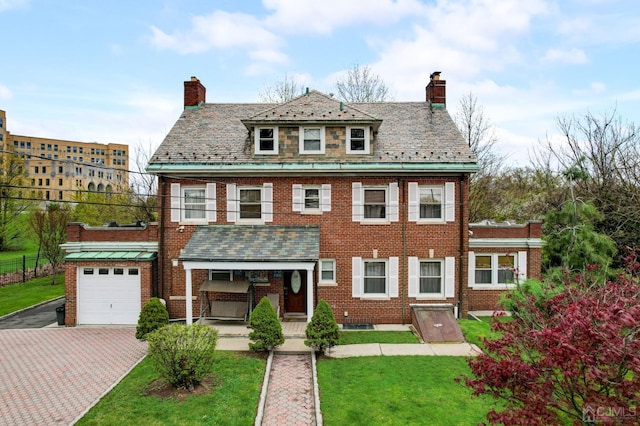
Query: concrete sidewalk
[297,346]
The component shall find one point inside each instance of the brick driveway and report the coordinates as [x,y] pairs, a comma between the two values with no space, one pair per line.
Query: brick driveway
[53,375]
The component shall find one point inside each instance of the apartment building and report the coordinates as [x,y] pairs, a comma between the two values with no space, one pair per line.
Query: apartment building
[58,168]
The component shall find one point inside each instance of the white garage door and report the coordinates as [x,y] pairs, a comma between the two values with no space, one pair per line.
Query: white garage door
[108,295]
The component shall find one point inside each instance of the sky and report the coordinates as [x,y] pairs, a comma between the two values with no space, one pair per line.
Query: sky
[113,71]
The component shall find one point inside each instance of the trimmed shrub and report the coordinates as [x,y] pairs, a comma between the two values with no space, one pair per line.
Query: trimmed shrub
[323,331]
[183,354]
[266,331]
[153,316]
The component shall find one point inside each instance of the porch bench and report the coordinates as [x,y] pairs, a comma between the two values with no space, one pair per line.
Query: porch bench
[221,309]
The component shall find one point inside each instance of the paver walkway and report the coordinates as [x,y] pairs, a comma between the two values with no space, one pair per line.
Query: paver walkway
[290,399]
[51,376]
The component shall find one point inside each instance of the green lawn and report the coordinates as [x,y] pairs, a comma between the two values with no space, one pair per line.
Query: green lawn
[354,337]
[233,399]
[397,390]
[475,331]
[14,297]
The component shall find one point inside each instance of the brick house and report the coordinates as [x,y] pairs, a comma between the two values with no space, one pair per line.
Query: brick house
[363,205]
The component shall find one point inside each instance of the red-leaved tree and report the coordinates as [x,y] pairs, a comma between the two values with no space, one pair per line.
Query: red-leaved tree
[574,358]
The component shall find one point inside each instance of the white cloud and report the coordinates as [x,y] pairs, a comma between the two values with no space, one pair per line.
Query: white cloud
[488,43]
[595,88]
[571,56]
[322,17]
[219,30]
[5,93]
[12,4]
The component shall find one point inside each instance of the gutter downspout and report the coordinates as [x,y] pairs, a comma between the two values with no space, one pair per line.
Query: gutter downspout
[403,268]
[462,230]
[161,230]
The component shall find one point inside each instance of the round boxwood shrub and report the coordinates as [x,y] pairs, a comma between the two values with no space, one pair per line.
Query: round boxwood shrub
[183,354]
[322,331]
[266,330]
[153,316]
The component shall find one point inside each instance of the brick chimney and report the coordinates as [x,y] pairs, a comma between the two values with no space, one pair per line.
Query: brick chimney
[194,93]
[436,90]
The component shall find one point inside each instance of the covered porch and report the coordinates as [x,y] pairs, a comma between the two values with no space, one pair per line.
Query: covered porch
[259,260]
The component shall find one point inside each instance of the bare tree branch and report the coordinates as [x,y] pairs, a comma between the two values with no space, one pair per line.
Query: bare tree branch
[281,91]
[360,84]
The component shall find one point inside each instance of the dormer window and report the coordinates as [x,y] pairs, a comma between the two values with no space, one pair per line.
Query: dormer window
[266,140]
[312,140]
[358,140]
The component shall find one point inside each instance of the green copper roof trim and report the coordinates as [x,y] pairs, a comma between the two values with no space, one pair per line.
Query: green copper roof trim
[317,167]
[112,255]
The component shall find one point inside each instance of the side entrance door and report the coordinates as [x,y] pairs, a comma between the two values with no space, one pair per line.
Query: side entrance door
[295,292]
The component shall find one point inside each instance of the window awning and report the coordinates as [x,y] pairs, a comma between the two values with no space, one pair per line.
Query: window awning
[111,255]
[253,243]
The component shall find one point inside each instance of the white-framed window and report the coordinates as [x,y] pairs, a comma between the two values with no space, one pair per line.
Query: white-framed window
[193,203]
[374,204]
[190,203]
[327,271]
[374,278]
[497,269]
[431,203]
[431,278]
[266,140]
[311,198]
[220,275]
[358,140]
[250,204]
[312,140]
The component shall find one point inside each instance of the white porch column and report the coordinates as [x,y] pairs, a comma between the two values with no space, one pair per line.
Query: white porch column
[309,294]
[188,297]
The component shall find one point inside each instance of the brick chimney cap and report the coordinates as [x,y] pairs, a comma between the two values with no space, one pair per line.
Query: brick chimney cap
[435,75]
[194,78]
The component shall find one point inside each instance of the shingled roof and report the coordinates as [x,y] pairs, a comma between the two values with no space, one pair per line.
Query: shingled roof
[408,135]
[253,243]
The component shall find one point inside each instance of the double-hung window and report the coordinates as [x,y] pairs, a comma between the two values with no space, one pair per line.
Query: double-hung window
[490,269]
[194,203]
[190,203]
[375,204]
[358,140]
[327,271]
[312,140]
[375,277]
[311,198]
[249,203]
[266,140]
[431,278]
[431,203]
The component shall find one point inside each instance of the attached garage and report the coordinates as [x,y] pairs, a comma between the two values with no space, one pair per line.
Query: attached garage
[107,287]
[108,295]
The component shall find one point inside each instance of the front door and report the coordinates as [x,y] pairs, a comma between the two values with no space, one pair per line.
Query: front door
[295,291]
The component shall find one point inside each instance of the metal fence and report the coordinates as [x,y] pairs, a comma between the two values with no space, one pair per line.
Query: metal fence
[22,269]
